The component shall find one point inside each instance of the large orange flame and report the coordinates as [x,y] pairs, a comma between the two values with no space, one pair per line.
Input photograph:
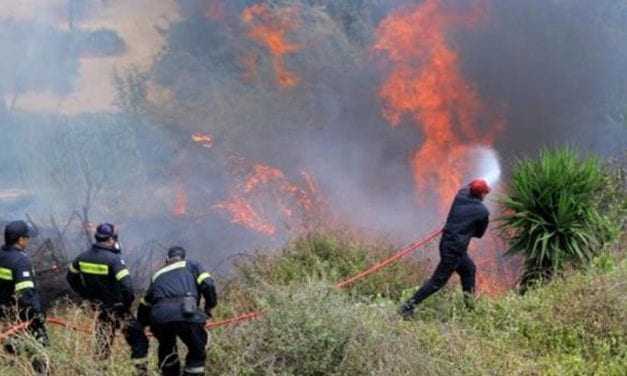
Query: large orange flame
[269,28]
[266,199]
[427,84]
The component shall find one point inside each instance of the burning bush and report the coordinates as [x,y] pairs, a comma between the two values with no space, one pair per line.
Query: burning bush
[552,212]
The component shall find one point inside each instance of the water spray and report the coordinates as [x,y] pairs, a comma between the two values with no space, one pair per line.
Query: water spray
[487,165]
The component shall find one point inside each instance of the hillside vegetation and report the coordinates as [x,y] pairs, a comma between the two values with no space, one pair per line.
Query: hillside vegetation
[573,325]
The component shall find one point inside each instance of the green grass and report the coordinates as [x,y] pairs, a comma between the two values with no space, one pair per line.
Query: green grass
[574,325]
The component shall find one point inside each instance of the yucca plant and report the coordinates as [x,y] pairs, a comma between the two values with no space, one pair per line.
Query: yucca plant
[551,212]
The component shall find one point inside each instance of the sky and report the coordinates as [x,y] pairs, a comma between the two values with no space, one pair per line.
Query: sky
[136,22]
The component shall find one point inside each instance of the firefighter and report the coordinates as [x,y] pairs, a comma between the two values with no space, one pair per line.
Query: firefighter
[467,218]
[171,308]
[19,298]
[100,276]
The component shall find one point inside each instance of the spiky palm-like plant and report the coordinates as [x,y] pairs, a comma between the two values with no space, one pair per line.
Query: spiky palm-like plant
[552,215]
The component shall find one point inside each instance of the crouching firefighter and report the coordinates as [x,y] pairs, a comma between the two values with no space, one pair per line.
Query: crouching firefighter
[171,308]
[100,276]
[467,218]
[19,298]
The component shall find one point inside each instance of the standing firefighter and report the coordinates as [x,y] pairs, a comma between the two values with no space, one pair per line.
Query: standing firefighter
[100,276]
[171,307]
[467,218]
[19,299]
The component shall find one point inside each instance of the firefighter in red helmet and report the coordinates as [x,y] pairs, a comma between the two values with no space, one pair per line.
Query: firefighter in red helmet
[468,218]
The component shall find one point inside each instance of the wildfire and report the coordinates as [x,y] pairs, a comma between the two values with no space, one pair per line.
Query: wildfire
[266,198]
[180,201]
[495,274]
[203,140]
[426,83]
[269,27]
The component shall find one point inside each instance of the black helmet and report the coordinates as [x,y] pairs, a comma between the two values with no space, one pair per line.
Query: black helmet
[176,252]
[15,230]
[105,232]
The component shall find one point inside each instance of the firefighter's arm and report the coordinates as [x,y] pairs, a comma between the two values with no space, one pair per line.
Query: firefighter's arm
[144,308]
[207,288]
[25,291]
[482,226]
[122,276]
[74,279]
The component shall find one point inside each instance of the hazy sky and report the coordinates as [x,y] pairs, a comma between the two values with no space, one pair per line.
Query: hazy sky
[136,22]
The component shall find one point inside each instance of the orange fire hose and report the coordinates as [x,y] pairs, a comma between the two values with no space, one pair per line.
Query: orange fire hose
[253,315]
[13,330]
[63,323]
[382,264]
[347,282]
[234,320]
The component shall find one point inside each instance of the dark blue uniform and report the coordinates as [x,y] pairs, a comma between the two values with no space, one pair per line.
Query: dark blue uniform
[17,284]
[19,298]
[467,218]
[166,307]
[100,276]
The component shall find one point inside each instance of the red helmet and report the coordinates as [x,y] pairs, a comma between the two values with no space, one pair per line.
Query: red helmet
[479,188]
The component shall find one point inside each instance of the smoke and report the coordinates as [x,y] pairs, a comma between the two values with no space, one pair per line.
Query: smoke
[295,86]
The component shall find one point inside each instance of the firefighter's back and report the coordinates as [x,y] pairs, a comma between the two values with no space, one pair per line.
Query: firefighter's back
[96,267]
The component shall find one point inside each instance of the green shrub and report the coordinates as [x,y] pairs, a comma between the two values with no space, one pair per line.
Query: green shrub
[571,326]
[329,256]
[552,212]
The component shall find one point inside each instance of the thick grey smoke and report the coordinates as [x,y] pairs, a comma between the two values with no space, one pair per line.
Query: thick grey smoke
[555,69]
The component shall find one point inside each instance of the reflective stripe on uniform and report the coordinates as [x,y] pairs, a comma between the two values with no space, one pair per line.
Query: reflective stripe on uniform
[97,269]
[194,370]
[6,274]
[202,277]
[24,285]
[169,268]
[73,269]
[121,274]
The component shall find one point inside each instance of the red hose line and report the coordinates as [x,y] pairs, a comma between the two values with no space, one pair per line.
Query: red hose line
[253,315]
[63,323]
[234,320]
[13,330]
[382,264]
[375,268]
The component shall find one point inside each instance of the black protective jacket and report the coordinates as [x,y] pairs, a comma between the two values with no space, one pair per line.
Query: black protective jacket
[468,218]
[100,276]
[169,285]
[17,284]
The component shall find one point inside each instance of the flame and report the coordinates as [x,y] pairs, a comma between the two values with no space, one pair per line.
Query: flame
[427,84]
[203,139]
[266,198]
[269,28]
[180,201]
[495,273]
